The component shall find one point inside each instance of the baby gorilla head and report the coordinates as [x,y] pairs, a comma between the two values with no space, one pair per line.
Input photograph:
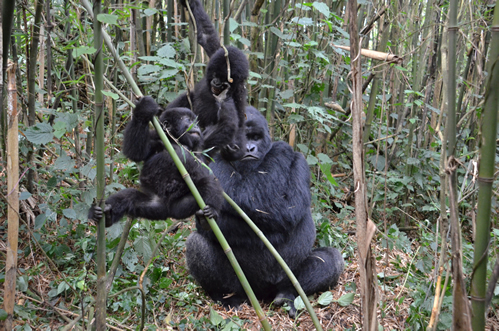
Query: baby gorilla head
[180,123]
[216,71]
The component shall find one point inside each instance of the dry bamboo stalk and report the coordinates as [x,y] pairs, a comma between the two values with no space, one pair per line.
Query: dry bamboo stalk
[12,197]
[382,56]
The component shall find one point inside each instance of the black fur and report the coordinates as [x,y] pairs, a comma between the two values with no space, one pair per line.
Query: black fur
[163,192]
[219,102]
[271,184]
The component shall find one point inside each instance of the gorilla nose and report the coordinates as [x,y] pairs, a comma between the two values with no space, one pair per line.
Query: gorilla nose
[251,148]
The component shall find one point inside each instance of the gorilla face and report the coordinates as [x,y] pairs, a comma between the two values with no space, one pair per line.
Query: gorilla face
[257,135]
[180,122]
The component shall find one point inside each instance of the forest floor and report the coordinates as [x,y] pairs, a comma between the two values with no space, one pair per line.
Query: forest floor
[392,314]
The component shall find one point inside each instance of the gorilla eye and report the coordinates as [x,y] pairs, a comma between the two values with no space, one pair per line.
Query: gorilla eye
[253,136]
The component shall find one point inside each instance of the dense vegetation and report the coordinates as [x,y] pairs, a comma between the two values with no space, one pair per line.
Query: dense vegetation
[300,80]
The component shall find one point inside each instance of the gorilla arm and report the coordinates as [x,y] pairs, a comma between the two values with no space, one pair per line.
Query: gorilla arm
[206,34]
[139,142]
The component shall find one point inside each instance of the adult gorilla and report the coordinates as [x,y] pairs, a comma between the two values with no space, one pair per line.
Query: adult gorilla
[271,184]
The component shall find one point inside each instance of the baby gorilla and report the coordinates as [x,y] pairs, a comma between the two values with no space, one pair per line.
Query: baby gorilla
[218,100]
[163,192]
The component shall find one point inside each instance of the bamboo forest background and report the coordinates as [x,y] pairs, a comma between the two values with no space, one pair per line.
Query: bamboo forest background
[300,80]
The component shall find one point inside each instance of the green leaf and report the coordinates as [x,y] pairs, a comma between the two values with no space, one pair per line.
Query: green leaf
[60,129]
[52,182]
[166,51]
[322,8]
[325,298]
[278,33]
[215,318]
[130,260]
[81,285]
[108,19]
[24,195]
[299,304]
[413,161]
[69,213]
[168,73]
[111,94]
[233,25]
[254,74]
[170,63]
[326,170]
[324,158]
[64,162]
[83,50]
[149,58]
[3,315]
[312,160]
[292,105]
[295,118]
[293,44]
[143,246]
[88,170]
[287,94]
[346,299]
[41,133]
[302,21]
[62,287]
[150,11]
[40,221]
[165,282]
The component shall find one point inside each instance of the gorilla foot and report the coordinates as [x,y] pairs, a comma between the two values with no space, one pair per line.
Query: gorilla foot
[289,298]
[232,301]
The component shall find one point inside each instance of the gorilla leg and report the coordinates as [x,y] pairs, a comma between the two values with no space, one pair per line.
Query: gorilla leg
[135,203]
[210,267]
[319,272]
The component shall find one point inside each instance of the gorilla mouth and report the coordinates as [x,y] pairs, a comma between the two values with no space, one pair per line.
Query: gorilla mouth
[218,87]
[249,157]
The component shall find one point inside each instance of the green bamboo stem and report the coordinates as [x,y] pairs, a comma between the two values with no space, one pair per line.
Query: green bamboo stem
[100,303]
[279,259]
[216,230]
[485,181]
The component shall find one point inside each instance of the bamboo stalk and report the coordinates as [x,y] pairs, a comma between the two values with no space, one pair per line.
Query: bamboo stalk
[100,302]
[365,227]
[12,198]
[461,315]
[485,180]
[376,55]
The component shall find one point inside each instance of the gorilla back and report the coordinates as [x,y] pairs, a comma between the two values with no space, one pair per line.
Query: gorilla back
[271,184]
